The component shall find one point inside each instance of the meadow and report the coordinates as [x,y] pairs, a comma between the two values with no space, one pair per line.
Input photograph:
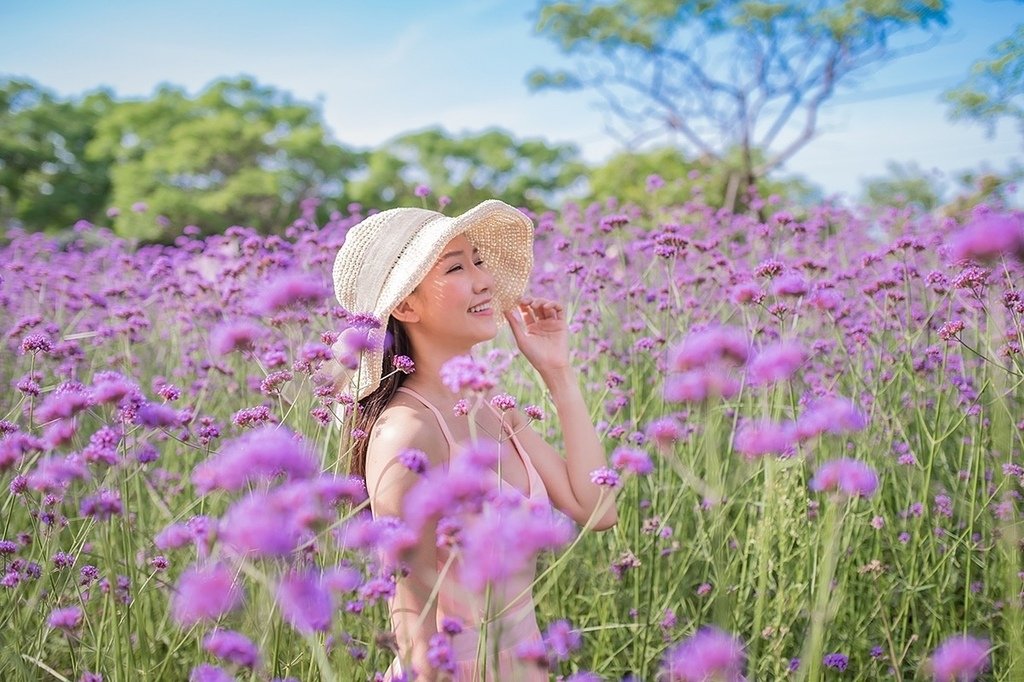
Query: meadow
[829,400]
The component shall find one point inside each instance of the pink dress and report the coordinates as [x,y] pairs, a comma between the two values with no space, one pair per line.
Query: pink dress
[518,623]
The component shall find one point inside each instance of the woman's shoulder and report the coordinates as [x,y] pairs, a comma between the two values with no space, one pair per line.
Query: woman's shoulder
[404,425]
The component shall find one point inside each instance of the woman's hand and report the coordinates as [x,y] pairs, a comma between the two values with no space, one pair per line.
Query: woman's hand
[541,332]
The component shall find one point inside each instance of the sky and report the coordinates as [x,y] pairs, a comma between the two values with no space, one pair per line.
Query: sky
[380,69]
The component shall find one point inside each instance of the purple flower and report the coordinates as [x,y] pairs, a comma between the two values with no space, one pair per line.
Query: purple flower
[654,182]
[605,477]
[255,526]
[465,373]
[440,654]
[989,237]
[305,602]
[960,658]
[503,402]
[290,290]
[36,343]
[421,191]
[837,661]
[534,412]
[205,593]
[633,461]
[775,363]
[103,505]
[67,619]
[204,672]
[239,335]
[849,476]
[701,348]
[233,647]
[791,284]
[262,453]
[754,439]
[157,416]
[561,639]
[698,385]
[502,540]
[709,654]
[52,474]
[830,415]
[404,364]
[63,404]
[414,460]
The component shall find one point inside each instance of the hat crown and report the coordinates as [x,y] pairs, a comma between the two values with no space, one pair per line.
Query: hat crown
[370,253]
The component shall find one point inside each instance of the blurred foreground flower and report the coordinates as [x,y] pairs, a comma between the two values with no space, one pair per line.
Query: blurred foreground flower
[960,658]
[848,476]
[710,654]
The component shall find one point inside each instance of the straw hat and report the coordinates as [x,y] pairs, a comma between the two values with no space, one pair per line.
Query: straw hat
[388,254]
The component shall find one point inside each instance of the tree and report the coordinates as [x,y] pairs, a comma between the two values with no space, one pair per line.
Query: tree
[237,153]
[467,169]
[995,88]
[725,74]
[625,176]
[47,181]
[905,185]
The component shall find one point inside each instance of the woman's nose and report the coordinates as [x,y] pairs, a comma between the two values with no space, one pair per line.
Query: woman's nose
[484,278]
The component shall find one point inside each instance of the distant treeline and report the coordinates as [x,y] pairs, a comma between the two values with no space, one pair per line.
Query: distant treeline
[240,153]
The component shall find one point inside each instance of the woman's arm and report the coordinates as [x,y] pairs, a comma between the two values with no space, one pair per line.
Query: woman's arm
[413,615]
[541,332]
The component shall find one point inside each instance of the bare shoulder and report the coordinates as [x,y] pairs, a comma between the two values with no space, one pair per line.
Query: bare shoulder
[402,426]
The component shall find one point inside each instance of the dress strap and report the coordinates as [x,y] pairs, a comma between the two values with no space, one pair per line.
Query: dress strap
[440,420]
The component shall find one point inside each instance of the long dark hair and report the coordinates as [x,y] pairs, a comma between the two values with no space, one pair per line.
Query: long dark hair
[370,408]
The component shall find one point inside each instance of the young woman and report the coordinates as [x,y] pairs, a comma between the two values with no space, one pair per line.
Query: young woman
[439,286]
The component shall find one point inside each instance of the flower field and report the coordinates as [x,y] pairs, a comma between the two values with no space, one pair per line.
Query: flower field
[814,424]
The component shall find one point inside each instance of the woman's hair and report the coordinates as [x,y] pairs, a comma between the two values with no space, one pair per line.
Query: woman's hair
[371,407]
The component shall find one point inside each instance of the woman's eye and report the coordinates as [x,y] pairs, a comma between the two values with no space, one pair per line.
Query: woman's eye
[459,267]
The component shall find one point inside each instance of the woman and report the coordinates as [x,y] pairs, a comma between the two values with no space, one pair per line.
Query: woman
[439,286]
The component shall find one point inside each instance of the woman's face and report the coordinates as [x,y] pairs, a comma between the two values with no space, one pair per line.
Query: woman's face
[458,282]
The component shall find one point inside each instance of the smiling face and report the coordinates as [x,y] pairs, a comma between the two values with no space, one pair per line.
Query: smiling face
[454,297]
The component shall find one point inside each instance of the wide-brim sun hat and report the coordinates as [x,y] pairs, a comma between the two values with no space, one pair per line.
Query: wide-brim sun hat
[387,255]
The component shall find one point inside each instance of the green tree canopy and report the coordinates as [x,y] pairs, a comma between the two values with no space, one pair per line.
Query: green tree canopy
[724,74]
[995,88]
[467,169]
[904,185]
[625,176]
[47,181]
[237,153]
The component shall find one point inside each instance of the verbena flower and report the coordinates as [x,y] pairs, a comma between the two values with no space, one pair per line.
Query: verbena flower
[288,290]
[263,453]
[710,654]
[988,237]
[561,640]
[305,602]
[848,476]
[836,661]
[67,619]
[776,362]
[701,348]
[205,593]
[465,373]
[204,672]
[233,647]
[754,439]
[236,335]
[605,477]
[960,658]
[633,461]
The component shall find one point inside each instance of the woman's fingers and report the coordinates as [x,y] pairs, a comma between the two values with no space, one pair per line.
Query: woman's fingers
[540,309]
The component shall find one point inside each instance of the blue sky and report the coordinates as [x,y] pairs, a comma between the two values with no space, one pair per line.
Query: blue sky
[379,69]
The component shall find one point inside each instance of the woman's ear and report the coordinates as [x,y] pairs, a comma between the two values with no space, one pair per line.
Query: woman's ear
[405,312]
